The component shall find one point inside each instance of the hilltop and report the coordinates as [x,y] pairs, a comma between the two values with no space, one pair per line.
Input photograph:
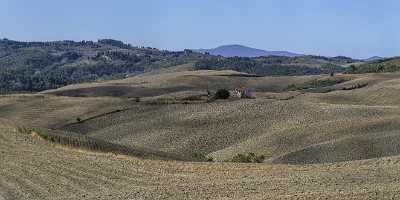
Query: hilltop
[244,51]
[374,58]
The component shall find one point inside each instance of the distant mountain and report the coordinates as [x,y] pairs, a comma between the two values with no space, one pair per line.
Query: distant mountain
[374,58]
[243,51]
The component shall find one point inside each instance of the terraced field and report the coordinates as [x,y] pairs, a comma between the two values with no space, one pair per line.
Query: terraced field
[328,136]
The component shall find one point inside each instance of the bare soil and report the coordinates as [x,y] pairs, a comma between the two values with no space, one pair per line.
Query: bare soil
[342,144]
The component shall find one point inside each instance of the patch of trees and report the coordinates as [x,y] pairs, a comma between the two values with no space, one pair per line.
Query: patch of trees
[248,158]
[57,76]
[272,65]
[379,66]
[115,43]
[355,86]
[11,44]
[201,157]
[222,94]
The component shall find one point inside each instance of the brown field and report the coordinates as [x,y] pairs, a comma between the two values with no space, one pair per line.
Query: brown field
[326,143]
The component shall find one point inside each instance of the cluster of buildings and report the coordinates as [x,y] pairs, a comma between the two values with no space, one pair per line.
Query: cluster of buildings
[241,92]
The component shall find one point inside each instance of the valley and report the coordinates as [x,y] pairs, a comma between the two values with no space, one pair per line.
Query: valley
[335,144]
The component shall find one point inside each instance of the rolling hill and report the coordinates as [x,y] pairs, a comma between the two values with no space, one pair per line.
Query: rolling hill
[329,137]
[278,122]
[34,169]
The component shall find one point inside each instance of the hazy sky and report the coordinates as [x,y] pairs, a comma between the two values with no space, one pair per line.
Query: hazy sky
[358,28]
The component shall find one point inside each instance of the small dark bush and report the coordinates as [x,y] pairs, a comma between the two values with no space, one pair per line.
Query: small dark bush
[222,94]
[193,98]
[356,86]
[83,142]
[248,158]
[201,157]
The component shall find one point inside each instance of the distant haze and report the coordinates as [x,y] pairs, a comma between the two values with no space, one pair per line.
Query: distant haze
[244,51]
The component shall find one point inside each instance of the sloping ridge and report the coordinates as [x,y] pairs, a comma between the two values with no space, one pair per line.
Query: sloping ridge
[345,149]
[74,140]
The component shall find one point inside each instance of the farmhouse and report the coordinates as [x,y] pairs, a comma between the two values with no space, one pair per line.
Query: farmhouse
[241,92]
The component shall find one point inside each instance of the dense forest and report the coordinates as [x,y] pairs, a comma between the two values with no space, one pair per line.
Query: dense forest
[37,66]
[277,65]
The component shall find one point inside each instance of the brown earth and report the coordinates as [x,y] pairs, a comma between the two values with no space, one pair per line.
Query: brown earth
[34,169]
[344,143]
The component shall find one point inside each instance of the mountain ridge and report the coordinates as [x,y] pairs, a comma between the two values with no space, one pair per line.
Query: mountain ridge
[233,50]
[374,58]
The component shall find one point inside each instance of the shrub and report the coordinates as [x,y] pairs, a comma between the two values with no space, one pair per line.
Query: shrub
[201,157]
[356,86]
[193,98]
[248,158]
[222,94]
[84,142]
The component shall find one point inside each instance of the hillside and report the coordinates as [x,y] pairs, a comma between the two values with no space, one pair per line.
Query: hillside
[169,83]
[243,51]
[155,111]
[377,66]
[137,136]
[277,65]
[33,169]
[38,66]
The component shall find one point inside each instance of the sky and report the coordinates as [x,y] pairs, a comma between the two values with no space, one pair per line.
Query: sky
[356,28]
